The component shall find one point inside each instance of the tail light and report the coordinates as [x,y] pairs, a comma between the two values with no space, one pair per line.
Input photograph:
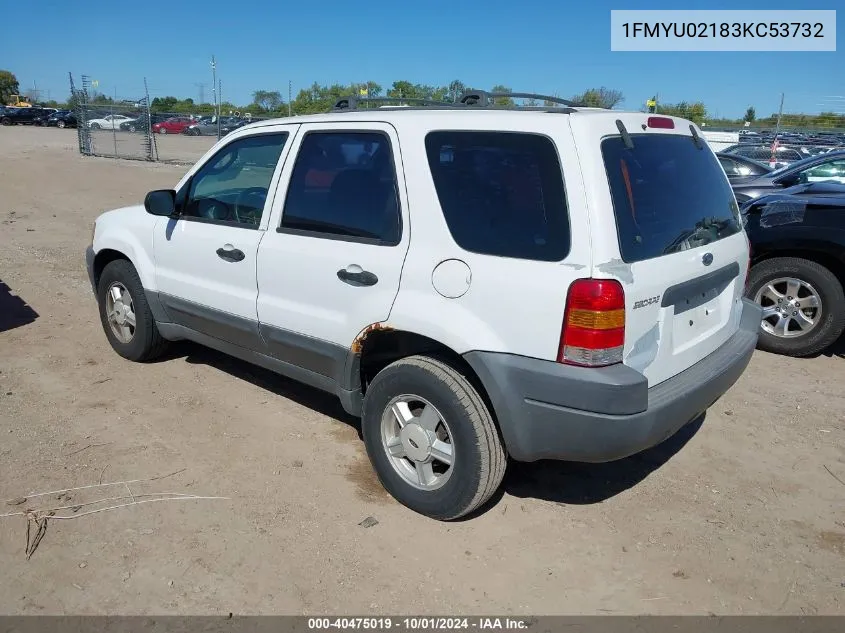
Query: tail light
[593,333]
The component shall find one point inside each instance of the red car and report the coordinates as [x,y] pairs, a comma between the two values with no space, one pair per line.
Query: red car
[173,125]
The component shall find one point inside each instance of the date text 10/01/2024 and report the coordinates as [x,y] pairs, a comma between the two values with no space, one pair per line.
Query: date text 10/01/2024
[419,623]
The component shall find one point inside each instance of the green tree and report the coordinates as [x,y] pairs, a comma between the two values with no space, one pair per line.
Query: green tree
[267,100]
[599,98]
[502,101]
[750,114]
[8,86]
[454,90]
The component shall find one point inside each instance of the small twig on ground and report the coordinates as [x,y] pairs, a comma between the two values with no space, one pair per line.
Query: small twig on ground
[129,490]
[100,382]
[175,472]
[832,475]
[76,506]
[657,598]
[84,448]
[111,483]
[102,472]
[135,503]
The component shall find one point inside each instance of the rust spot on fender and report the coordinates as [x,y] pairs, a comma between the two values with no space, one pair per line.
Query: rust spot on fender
[358,344]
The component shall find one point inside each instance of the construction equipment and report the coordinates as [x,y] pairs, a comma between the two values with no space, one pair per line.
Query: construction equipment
[15,101]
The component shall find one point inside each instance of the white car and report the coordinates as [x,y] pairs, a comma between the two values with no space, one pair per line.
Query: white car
[473,282]
[109,122]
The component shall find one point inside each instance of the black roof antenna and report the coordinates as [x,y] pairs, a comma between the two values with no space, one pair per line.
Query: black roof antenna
[626,138]
[695,137]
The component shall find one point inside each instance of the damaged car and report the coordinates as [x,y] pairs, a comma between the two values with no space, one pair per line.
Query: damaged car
[798,266]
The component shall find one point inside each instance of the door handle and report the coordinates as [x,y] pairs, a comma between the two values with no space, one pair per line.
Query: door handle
[230,254]
[354,275]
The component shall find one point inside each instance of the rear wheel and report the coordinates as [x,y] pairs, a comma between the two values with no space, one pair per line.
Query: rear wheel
[95,126]
[60,123]
[125,314]
[803,305]
[162,130]
[431,439]
[5,121]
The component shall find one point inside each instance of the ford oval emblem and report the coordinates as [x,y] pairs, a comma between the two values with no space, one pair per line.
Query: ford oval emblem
[707,259]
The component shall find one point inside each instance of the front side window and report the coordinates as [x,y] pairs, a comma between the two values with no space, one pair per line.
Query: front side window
[232,186]
[501,193]
[344,185]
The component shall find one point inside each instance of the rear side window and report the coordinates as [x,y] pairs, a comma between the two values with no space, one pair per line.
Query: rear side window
[668,195]
[344,185]
[501,193]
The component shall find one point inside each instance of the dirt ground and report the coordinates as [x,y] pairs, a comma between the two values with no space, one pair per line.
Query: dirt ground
[740,514]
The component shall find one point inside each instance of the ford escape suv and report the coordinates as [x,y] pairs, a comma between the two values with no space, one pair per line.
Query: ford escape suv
[476,283]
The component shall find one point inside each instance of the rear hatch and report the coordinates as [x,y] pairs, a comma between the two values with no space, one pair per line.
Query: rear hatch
[665,223]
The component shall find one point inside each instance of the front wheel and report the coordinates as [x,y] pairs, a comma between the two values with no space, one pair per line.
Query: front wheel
[162,130]
[431,439]
[95,126]
[61,124]
[125,314]
[5,121]
[803,305]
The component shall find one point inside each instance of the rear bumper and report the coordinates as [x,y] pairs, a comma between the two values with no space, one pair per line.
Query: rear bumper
[551,411]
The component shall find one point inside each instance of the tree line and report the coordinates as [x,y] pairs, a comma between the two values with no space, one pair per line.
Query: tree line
[319,98]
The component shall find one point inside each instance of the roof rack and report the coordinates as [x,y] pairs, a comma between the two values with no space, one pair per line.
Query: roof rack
[352,103]
[487,99]
[469,99]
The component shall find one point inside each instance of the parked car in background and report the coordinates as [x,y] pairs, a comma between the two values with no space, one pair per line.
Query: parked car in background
[22,116]
[782,155]
[61,118]
[828,166]
[172,125]
[798,266]
[737,166]
[109,122]
[207,126]
[46,113]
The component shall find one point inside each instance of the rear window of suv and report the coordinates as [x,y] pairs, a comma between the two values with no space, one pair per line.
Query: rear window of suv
[501,193]
[668,195]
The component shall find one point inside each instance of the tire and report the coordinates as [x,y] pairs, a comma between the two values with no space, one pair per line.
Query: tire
[132,128]
[61,124]
[162,130]
[5,121]
[814,278]
[95,126]
[477,457]
[146,342]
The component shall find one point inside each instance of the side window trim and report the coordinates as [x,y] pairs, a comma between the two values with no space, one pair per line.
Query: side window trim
[294,153]
[185,188]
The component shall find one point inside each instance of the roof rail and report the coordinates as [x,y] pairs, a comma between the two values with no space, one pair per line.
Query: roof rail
[487,99]
[352,103]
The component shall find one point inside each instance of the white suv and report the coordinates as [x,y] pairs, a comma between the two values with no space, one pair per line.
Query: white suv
[475,283]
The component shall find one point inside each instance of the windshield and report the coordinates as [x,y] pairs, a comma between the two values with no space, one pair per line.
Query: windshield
[668,195]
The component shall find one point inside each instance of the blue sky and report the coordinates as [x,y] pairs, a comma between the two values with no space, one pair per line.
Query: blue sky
[536,45]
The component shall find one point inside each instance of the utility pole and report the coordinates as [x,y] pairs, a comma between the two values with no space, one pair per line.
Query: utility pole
[214,92]
[219,105]
[780,114]
[290,92]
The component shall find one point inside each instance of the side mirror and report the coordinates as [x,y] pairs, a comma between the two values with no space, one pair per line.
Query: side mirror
[161,202]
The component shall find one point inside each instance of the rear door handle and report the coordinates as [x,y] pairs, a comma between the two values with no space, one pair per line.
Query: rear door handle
[354,275]
[230,254]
